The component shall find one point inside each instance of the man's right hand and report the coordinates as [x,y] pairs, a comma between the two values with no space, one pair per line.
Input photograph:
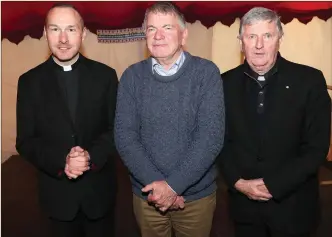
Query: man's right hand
[162,195]
[77,162]
[254,189]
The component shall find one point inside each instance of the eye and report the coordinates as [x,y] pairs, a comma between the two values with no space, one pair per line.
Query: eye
[54,29]
[168,27]
[252,36]
[268,35]
[150,29]
[72,30]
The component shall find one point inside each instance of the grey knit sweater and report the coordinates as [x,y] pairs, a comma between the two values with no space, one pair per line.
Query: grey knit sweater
[171,127]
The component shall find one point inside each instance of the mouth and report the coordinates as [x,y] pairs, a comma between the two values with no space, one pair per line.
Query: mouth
[259,54]
[159,45]
[64,48]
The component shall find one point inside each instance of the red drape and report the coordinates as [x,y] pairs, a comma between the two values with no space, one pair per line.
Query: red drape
[19,19]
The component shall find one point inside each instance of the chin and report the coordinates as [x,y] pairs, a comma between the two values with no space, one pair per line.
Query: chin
[160,53]
[64,58]
[159,56]
[260,64]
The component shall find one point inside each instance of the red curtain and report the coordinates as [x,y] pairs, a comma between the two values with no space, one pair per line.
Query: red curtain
[19,19]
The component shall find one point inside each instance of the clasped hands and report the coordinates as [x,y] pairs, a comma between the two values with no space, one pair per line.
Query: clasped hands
[163,197]
[254,189]
[77,162]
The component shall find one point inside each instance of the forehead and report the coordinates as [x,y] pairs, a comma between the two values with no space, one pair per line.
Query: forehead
[63,16]
[160,18]
[260,27]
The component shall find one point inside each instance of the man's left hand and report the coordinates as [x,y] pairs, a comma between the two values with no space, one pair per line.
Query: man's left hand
[161,194]
[77,162]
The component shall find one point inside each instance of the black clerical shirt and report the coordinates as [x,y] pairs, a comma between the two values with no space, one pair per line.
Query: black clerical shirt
[68,82]
[258,96]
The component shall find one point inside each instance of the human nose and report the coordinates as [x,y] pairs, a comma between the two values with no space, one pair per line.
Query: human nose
[158,35]
[63,38]
[259,43]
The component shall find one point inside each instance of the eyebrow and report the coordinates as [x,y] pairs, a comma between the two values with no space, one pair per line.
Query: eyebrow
[258,34]
[162,26]
[54,25]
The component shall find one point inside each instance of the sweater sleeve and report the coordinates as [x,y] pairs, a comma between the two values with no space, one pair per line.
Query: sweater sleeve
[207,137]
[127,134]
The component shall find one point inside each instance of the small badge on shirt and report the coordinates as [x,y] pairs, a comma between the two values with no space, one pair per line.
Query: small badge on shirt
[67,68]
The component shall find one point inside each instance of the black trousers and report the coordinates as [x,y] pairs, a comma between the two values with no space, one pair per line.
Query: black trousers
[261,230]
[81,226]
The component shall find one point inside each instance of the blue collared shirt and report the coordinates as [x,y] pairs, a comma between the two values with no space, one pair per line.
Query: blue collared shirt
[158,68]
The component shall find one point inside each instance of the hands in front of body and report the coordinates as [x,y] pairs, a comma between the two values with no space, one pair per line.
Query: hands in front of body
[77,162]
[254,189]
[163,197]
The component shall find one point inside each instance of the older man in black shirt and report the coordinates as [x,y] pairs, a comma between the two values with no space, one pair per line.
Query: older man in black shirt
[277,134]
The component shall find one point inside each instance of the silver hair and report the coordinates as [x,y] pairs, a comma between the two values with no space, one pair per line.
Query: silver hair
[260,14]
[165,8]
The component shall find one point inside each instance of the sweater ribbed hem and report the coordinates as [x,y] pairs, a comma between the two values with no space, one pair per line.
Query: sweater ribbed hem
[191,197]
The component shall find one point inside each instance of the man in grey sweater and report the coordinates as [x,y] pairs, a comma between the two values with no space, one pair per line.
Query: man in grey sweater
[169,128]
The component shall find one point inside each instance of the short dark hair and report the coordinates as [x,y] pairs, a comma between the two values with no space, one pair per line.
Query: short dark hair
[165,8]
[65,5]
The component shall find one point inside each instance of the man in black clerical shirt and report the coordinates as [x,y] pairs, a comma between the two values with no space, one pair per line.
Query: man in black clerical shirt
[65,114]
[277,134]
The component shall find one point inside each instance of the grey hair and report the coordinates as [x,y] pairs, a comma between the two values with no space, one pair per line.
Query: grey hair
[260,14]
[165,8]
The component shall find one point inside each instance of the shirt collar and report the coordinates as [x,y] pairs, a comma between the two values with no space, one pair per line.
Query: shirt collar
[67,68]
[176,64]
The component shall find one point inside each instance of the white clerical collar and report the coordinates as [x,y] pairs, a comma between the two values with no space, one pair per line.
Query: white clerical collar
[66,68]
[261,78]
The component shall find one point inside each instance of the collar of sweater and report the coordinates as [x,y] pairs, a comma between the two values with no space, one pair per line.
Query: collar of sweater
[173,77]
